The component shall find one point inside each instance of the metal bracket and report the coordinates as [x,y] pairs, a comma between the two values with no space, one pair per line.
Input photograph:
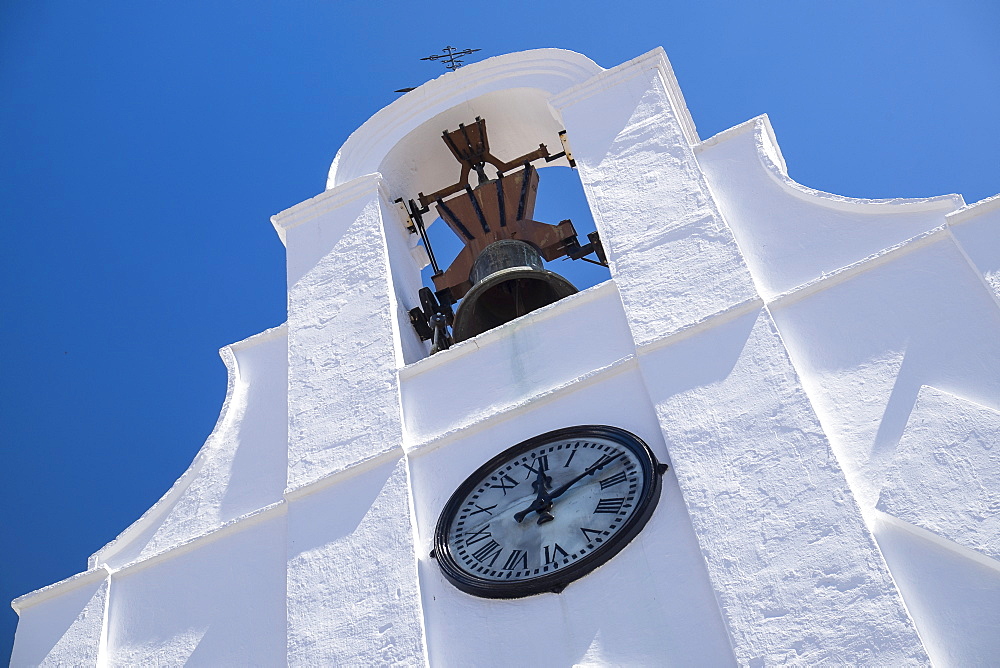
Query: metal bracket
[411,227]
[566,150]
[577,252]
[433,317]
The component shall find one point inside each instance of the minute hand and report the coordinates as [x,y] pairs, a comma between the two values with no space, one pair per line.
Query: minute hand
[594,468]
[545,500]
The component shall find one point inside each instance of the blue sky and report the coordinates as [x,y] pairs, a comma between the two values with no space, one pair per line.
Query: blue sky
[144,146]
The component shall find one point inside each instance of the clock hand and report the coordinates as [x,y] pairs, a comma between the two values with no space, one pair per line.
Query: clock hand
[543,501]
[594,468]
[544,481]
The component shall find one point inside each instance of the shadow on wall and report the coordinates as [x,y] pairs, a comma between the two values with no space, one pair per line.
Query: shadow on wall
[955,600]
[204,603]
[865,346]
[345,509]
[72,624]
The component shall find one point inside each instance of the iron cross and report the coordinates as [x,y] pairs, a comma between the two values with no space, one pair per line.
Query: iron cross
[451,61]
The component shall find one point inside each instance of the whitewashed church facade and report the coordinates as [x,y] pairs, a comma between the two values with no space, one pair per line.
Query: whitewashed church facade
[821,374]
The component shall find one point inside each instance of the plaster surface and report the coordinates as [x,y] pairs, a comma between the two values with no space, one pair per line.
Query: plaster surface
[798,574]
[203,606]
[672,256]
[351,590]
[341,352]
[918,317]
[945,475]
[64,629]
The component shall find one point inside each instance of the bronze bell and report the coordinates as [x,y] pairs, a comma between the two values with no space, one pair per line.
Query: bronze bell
[498,275]
[508,281]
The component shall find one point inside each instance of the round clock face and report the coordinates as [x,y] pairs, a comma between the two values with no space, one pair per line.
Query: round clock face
[547,511]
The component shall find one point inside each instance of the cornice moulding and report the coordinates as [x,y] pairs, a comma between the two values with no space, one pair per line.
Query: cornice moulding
[65,586]
[770,159]
[974,210]
[326,201]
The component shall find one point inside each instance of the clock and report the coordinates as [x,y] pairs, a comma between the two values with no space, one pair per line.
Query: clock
[547,511]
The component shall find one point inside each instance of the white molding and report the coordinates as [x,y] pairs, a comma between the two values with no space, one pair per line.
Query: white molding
[463,348]
[974,210]
[234,525]
[950,545]
[343,473]
[709,322]
[766,145]
[325,202]
[533,401]
[65,586]
[828,280]
[163,505]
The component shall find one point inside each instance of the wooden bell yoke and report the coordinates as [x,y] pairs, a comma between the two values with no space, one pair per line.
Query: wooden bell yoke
[495,209]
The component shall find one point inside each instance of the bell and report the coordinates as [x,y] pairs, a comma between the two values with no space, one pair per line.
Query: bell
[508,281]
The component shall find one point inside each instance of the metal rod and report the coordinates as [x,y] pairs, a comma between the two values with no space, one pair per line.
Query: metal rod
[500,202]
[524,191]
[419,222]
[479,211]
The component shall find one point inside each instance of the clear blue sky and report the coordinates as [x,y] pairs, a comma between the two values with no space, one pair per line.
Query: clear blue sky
[144,146]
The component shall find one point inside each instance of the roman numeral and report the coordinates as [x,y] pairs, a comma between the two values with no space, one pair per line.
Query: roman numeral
[613,480]
[503,484]
[518,560]
[556,551]
[542,463]
[481,535]
[572,454]
[487,509]
[610,506]
[491,549]
[586,534]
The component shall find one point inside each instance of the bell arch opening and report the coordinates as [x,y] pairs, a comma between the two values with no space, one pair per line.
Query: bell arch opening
[560,197]
[489,190]
[517,282]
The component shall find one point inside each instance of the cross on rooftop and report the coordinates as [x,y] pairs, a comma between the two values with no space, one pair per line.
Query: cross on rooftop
[450,57]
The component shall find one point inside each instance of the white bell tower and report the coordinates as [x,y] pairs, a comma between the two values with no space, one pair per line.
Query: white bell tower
[821,374]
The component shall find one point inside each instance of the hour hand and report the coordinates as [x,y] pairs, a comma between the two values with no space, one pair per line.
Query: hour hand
[542,501]
[542,481]
[541,505]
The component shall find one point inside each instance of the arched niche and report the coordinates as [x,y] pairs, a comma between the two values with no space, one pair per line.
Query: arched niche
[518,120]
[549,71]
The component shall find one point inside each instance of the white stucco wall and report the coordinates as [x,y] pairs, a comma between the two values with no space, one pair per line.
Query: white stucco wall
[651,605]
[977,230]
[63,624]
[201,605]
[820,372]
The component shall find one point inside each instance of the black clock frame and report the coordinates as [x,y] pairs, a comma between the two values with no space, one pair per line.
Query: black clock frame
[557,581]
